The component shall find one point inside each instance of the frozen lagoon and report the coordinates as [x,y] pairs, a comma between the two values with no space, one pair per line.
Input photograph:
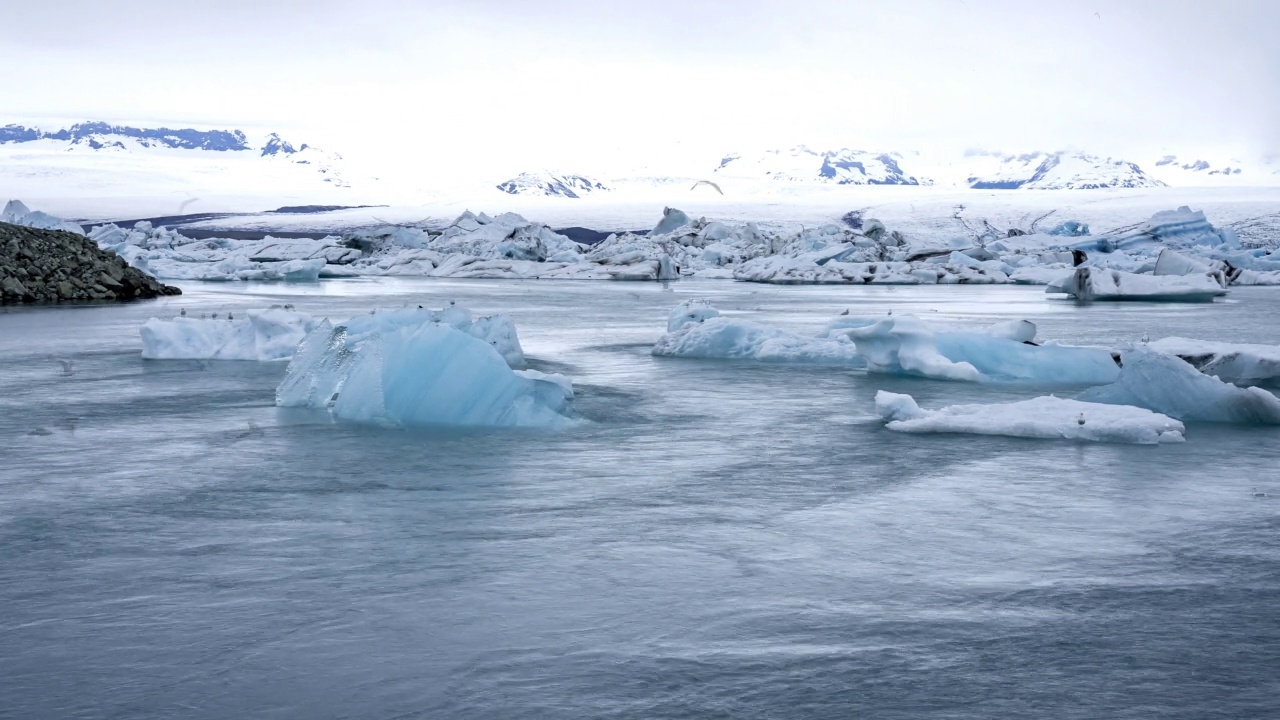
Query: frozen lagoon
[724,539]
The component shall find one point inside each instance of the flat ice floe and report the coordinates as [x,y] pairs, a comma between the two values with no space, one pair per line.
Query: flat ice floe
[1166,384]
[1046,417]
[417,369]
[261,335]
[1092,283]
[1237,363]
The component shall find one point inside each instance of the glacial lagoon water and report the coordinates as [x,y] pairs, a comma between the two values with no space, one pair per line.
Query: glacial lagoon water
[720,540]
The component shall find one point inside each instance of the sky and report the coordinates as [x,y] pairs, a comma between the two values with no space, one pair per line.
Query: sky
[592,86]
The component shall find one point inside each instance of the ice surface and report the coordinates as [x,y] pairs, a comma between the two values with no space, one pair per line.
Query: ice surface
[262,335]
[1166,384]
[1237,363]
[418,369]
[697,330]
[1046,417]
[690,311]
[905,345]
[1092,283]
[17,213]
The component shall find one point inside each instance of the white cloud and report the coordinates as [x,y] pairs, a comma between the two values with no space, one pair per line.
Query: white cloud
[505,85]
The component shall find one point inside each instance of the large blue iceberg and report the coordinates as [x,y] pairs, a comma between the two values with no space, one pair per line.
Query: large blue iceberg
[1167,385]
[416,369]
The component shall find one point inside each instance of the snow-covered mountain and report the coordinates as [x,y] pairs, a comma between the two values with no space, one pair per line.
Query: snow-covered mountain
[1213,170]
[1054,171]
[551,184]
[101,160]
[803,165]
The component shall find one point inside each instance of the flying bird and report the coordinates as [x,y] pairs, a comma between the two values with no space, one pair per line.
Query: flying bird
[706,182]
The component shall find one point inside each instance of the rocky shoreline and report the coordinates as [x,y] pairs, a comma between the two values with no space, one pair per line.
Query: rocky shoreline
[57,266]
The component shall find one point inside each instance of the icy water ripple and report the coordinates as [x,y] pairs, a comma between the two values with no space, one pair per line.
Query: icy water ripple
[722,540]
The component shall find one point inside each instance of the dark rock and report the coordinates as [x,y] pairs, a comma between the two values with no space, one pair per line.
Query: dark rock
[54,265]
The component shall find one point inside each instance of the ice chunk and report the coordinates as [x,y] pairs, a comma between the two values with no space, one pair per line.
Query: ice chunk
[1047,418]
[1070,228]
[17,213]
[690,311]
[1171,262]
[905,345]
[497,330]
[1236,363]
[672,220]
[1093,283]
[696,330]
[425,374]
[262,335]
[1168,385]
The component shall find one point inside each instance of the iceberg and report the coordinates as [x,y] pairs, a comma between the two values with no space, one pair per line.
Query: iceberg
[1166,384]
[15,212]
[695,329]
[1094,283]
[261,335]
[1046,418]
[1236,363]
[419,370]
[905,345]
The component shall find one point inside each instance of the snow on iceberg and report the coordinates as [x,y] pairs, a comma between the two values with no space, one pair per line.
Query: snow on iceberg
[1047,418]
[17,213]
[261,335]
[1166,384]
[696,330]
[1093,283]
[1236,363]
[393,371]
[905,345]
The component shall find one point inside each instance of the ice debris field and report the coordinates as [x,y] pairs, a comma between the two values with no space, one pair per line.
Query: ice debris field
[417,367]
[414,367]
[1174,255]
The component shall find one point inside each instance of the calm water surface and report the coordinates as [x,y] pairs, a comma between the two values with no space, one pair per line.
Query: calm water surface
[721,540]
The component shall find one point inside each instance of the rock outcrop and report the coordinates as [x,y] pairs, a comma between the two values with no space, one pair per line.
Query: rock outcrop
[57,266]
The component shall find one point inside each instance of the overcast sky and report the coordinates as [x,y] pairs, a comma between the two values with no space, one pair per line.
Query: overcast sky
[577,83]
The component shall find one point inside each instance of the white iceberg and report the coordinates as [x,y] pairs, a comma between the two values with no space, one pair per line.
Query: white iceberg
[1093,283]
[260,335]
[1166,384]
[391,371]
[1237,363]
[696,330]
[905,345]
[1047,418]
[17,213]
